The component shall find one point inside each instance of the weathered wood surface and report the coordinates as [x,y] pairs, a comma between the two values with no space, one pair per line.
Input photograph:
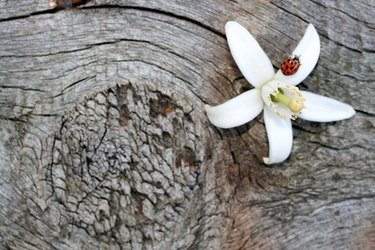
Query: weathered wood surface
[104,143]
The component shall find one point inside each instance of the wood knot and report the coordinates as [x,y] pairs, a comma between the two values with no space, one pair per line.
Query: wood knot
[163,105]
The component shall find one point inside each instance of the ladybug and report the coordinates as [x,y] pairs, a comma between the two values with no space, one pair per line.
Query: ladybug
[290,65]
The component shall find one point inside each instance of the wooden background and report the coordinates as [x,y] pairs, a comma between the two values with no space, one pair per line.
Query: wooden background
[104,143]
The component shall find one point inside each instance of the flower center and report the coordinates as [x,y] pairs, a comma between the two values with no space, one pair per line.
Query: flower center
[283,99]
[295,105]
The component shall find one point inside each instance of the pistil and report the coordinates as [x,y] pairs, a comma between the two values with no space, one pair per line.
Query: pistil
[294,104]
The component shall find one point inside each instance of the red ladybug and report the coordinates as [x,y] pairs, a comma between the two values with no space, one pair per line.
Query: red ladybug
[290,65]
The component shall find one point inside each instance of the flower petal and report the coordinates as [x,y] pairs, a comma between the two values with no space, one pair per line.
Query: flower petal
[250,58]
[280,137]
[236,111]
[323,109]
[308,51]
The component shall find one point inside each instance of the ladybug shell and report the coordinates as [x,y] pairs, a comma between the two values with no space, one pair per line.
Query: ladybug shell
[290,65]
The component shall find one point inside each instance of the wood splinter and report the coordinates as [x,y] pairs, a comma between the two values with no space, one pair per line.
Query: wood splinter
[64,4]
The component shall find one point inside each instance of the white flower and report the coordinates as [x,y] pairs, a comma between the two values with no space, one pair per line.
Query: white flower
[276,94]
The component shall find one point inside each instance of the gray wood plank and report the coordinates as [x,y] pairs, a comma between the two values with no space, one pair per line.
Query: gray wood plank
[104,143]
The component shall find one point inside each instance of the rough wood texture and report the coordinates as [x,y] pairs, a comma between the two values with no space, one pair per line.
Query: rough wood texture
[104,143]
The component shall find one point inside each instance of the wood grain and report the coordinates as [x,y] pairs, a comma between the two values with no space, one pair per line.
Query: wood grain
[104,143]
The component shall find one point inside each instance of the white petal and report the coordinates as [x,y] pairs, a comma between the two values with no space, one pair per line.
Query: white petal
[280,137]
[308,50]
[250,58]
[237,111]
[323,109]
